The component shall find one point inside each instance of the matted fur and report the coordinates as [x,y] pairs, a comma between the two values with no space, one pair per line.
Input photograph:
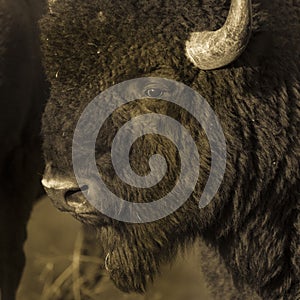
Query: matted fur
[253,221]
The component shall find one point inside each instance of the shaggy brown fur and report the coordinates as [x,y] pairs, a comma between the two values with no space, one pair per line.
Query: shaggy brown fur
[253,221]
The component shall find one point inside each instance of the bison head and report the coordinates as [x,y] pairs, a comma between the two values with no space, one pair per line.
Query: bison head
[90,46]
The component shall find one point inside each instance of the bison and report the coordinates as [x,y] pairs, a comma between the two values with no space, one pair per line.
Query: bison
[243,58]
[23,93]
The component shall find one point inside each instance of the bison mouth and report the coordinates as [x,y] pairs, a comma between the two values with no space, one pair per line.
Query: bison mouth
[91,219]
[134,252]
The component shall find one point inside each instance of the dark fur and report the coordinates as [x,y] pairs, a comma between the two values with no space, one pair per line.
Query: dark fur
[22,87]
[253,221]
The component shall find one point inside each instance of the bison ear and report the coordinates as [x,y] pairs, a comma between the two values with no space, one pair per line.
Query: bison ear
[214,49]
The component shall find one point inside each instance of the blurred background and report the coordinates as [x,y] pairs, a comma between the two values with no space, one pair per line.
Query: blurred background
[53,259]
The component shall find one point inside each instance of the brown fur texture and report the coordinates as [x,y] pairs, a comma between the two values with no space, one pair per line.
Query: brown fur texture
[253,221]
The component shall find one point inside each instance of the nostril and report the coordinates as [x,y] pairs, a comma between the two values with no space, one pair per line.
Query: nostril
[75,197]
[68,194]
[74,191]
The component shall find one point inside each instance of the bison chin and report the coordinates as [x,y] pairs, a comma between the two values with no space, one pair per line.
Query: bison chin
[134,254]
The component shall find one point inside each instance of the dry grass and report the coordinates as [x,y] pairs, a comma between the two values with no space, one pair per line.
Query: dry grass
[57,270]
[70,283]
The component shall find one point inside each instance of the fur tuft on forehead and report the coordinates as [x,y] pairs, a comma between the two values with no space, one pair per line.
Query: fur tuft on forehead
[89,46]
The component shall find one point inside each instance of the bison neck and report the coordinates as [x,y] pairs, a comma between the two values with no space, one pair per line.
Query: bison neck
[258,245]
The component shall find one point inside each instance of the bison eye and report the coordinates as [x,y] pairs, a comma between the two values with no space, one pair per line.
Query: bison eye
[154,92]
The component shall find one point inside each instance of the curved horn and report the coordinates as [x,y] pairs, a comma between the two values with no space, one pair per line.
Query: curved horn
[214,49]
